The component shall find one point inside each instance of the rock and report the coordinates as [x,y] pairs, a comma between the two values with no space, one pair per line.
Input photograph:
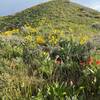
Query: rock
[96,26]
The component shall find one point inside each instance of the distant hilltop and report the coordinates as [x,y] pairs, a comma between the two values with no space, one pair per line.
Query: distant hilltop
[59,13]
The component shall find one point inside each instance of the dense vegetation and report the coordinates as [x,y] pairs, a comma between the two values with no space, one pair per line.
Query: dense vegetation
[50,52]
[60,13]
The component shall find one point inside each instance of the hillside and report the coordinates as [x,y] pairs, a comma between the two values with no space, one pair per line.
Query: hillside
[50,52]
[58,13]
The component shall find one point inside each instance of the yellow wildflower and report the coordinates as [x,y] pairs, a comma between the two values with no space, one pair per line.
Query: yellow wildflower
[84,39]
[7,33]
[28,38]
[53,39]
[30,29]
[15,30]
[40,40]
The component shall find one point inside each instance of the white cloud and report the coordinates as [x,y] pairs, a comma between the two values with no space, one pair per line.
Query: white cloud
[96,6]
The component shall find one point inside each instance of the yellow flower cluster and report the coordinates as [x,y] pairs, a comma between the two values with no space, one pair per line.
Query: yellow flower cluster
[55,36]
[40,40]
[9,33]
[15,30]
[53,39]
[30,29]
[58,32]
[84,39]
[28,38]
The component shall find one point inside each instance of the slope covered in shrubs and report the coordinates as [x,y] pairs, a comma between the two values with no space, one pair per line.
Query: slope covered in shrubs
[50,52]
[59,13]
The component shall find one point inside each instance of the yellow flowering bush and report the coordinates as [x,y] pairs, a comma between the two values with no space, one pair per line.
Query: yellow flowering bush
[9,33]
[30,29]
[15,30]
[84,39]
[28,38]
[40,40]
[55,36]
[53,39]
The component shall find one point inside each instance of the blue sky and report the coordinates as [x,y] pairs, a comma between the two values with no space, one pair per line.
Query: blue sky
[95,4]
[8,7]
